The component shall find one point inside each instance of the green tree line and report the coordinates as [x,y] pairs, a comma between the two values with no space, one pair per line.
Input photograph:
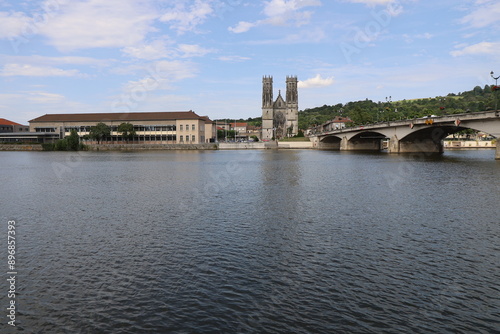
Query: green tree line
[368,111]
[99,132]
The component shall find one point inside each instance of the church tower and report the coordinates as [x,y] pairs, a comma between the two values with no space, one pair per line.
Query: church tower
[267,107]
[280,117]
[292,106]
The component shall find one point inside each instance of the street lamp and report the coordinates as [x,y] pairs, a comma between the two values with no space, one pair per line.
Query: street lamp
[495,88]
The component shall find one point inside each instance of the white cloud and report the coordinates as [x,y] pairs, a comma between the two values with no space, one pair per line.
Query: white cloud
[487,14]
[233,59]
[43,97]
[161,75]
[483,48]
[242,26]
[303,36]
[163,49]
[39,102]
[317,81]
[98,24]
[280,13]
[174,70]
[65,60]
[373,2]
[193,50]
[12,24]
[37,71]
[185,18]
[155,50]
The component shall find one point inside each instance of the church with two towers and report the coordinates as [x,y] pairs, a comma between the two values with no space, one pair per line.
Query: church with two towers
[279,117]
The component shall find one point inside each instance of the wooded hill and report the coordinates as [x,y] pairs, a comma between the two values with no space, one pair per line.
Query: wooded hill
[368,111]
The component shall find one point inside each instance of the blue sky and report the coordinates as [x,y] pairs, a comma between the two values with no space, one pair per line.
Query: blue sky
[209,56]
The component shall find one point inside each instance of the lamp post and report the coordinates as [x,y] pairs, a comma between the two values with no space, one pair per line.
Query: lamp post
[496,88]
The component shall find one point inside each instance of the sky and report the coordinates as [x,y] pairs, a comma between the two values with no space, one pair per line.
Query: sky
[209,56]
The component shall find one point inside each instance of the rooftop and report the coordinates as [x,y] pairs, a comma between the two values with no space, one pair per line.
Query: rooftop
[4,121]
[120,117]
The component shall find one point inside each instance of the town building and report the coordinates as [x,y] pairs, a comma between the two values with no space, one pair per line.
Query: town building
[183,127]
[9,126]
[279,117]
[337,123]
[12,132]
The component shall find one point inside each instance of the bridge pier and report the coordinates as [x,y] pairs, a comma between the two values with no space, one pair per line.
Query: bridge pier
[415,146]
[332,143]
[361,144]
[421,146]
[497,155]
[393,145]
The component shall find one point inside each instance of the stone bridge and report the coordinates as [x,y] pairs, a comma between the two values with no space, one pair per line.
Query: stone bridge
[420,135]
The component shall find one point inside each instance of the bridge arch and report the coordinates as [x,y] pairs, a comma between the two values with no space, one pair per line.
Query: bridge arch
[364,141]
[413,135]
[330,143]
[427,139]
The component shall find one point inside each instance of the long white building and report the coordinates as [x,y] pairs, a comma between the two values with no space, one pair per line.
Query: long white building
[181,127]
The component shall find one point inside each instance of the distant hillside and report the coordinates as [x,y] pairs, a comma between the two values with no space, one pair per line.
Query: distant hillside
[367,111]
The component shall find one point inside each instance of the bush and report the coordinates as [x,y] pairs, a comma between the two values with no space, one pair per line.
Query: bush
[61,145]
[299,134]
[48,146]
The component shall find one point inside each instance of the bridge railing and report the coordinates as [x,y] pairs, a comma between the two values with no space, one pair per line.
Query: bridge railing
[317,131]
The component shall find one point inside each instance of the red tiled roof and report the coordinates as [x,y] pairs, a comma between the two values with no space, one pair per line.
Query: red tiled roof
[4,121]
[125,117]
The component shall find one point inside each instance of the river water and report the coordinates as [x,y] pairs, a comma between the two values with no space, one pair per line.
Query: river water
[288,241]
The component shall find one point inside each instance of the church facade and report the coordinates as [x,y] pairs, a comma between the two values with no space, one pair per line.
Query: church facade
[279,117]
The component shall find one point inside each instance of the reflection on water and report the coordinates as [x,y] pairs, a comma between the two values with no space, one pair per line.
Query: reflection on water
[254,241]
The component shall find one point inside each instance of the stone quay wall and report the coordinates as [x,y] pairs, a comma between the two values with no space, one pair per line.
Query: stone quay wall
[145,147]
[27,147]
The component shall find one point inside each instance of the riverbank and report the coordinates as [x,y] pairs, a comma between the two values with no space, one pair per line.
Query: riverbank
[466,144]
[448,144]
[146,147]
[21,147]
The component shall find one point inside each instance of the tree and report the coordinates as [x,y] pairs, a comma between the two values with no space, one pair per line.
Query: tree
[99,132]
[223,134]
[73,141]
[127,131]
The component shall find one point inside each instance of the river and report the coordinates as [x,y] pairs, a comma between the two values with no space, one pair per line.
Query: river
[271,241]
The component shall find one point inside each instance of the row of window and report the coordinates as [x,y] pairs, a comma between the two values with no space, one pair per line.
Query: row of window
[181,138]
[137,128]
[45,129]
[144,138]
[193,127]
[114,128]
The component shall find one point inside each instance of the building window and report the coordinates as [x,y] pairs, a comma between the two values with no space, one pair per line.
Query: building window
[180,128]
[193,138]
[181,138]
[193,127]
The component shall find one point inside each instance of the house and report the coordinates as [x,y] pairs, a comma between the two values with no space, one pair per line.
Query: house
[9,126]
[12,132]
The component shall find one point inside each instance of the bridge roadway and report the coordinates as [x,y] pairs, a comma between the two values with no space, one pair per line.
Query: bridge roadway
[419,135]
